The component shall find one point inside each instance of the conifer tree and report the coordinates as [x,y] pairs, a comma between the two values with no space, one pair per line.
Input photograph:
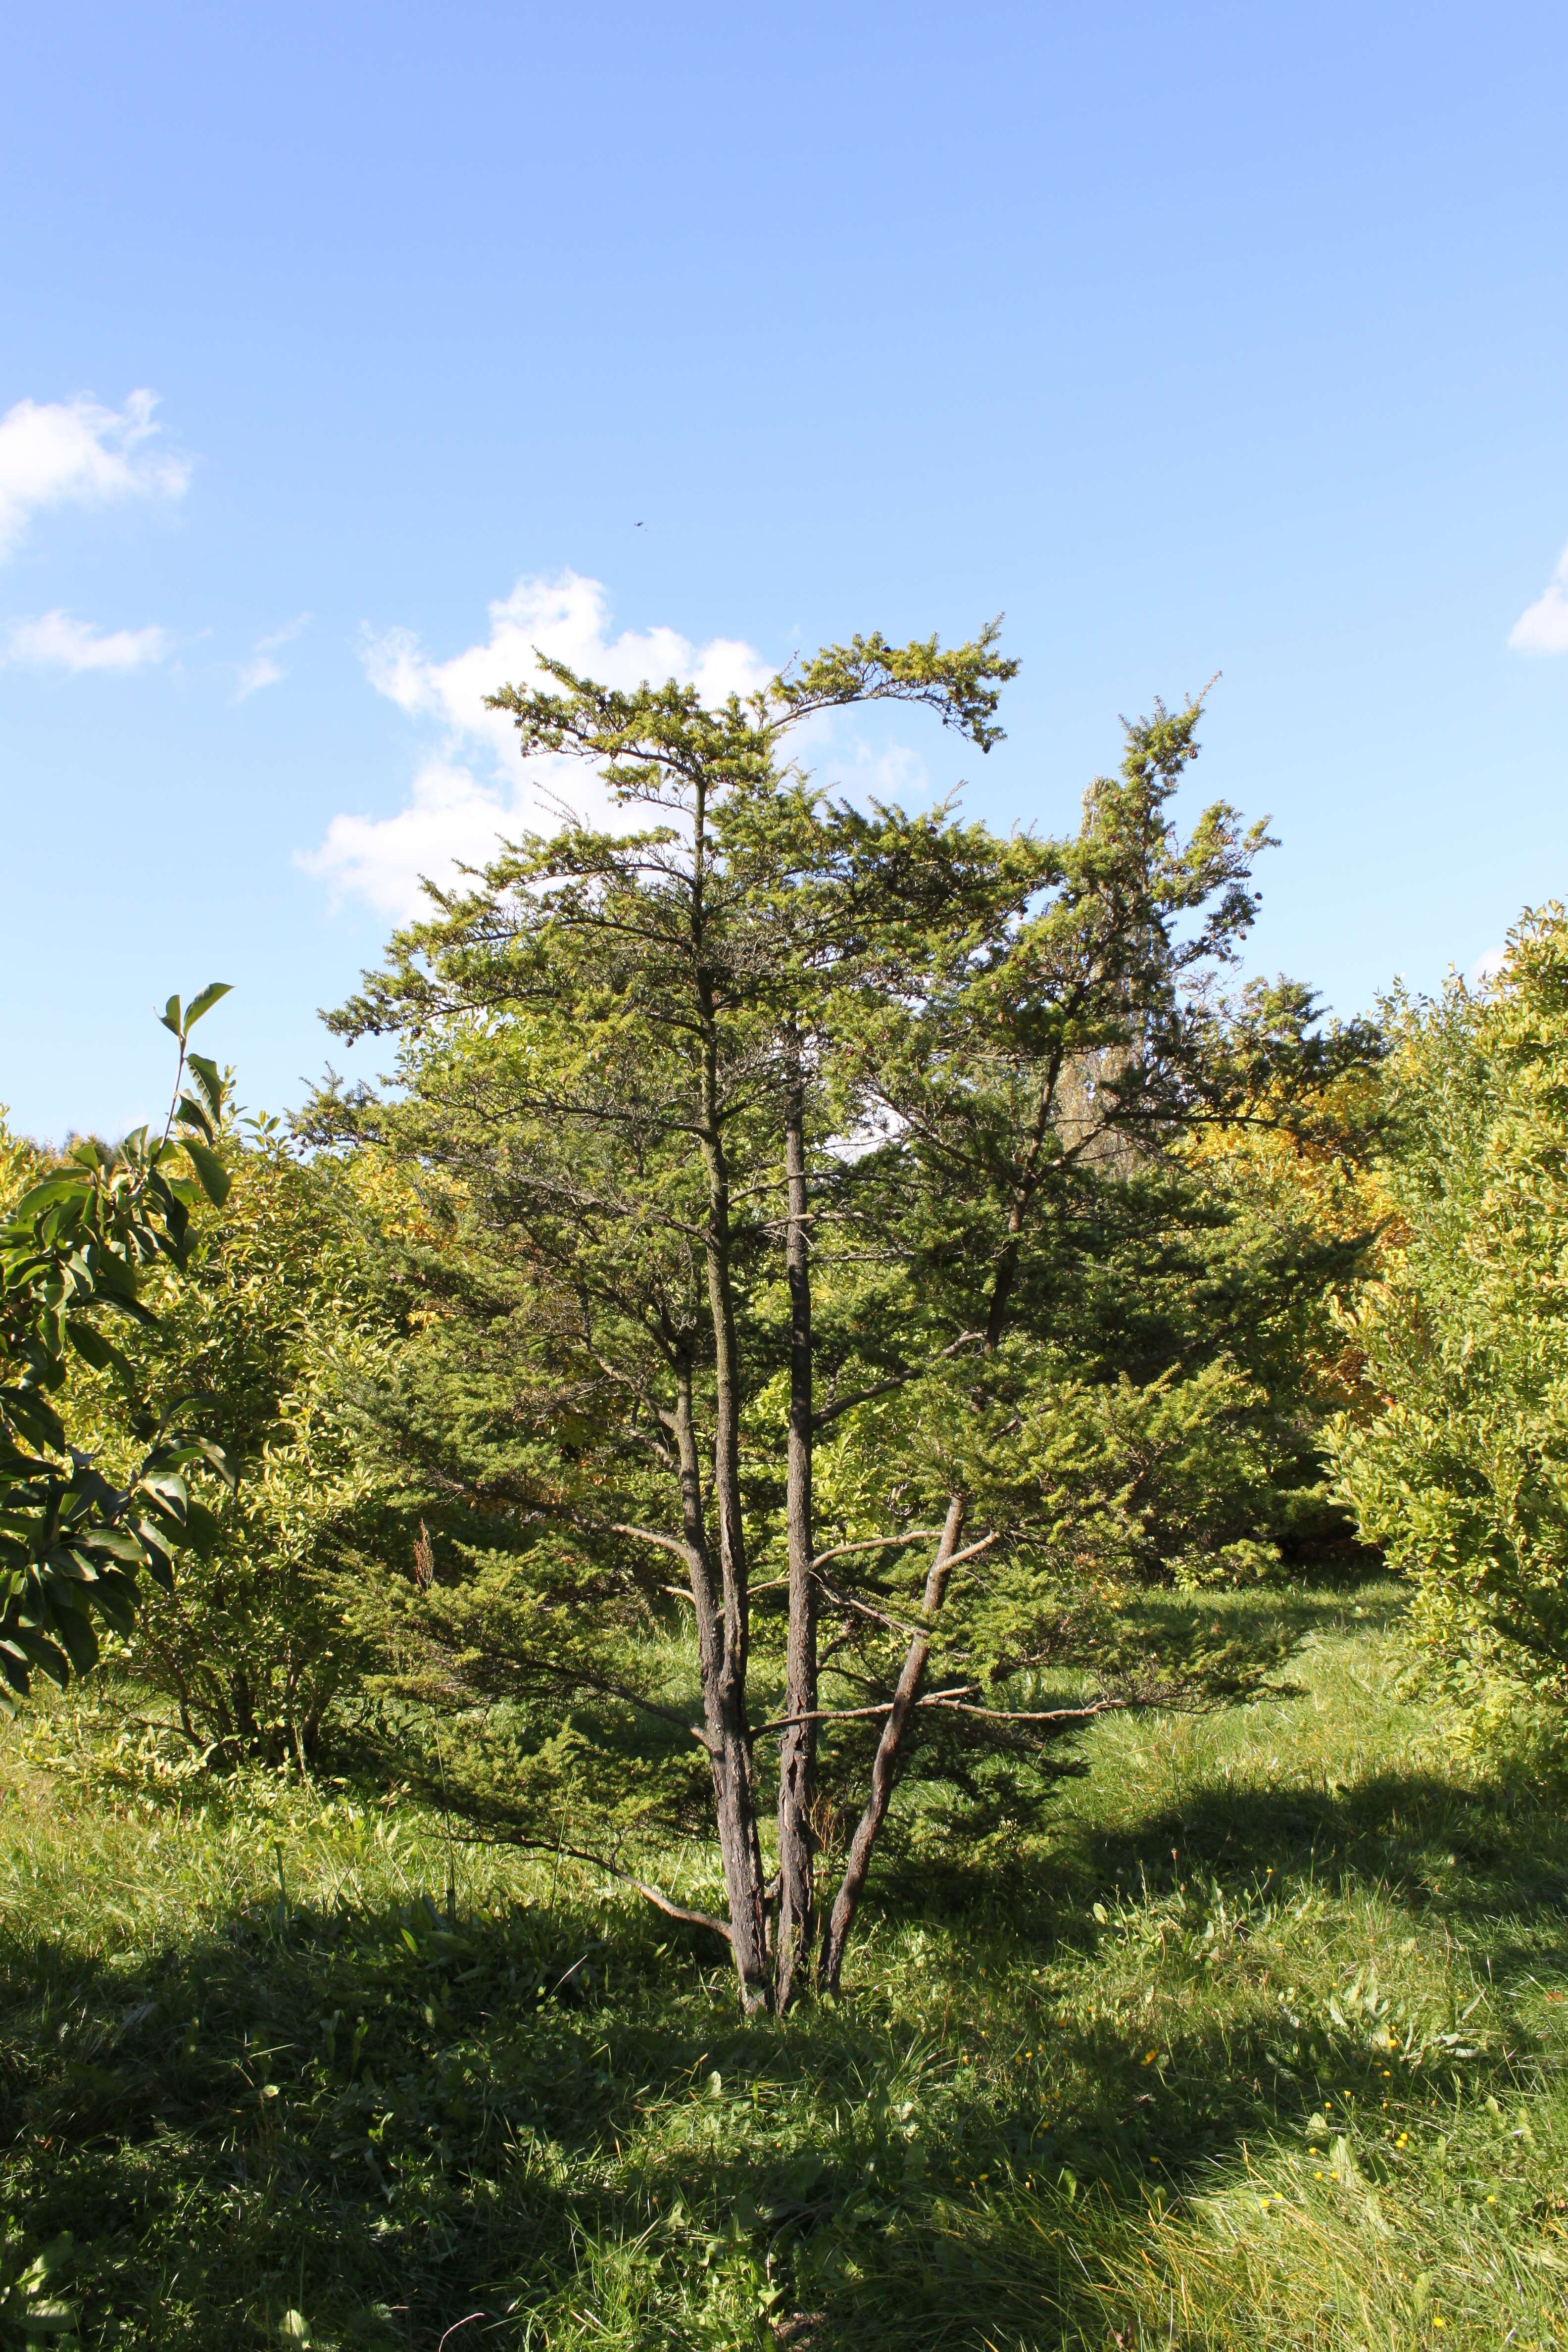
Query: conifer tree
[777,1146]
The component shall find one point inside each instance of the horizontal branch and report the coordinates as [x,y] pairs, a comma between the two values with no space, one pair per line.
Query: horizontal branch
[960,1705]
[851,1714]
[660,1901]
[647,1706]
[580,1678]
[956,1701]
[876,1543]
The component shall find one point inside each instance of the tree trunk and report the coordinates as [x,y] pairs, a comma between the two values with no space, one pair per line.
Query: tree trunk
[797,1759]
[738,1835]
[884,1763]
[728,1749]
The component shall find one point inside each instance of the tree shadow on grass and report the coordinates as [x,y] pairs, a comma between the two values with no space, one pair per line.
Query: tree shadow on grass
[1459,1850]
[394,2119]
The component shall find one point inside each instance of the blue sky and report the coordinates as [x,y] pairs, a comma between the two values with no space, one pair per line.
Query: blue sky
[348,350]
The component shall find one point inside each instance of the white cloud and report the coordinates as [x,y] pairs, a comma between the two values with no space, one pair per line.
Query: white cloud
[1487,966]
[456,815]
[55,641]
[261,669]
[54,453]
[1543,628]
[568,617]
[451,818]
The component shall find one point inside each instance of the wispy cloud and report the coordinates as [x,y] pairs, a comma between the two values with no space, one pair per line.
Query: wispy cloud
[1543,628]
[77,452]
[454,813]
[262,669]
[55,641]
[450,819]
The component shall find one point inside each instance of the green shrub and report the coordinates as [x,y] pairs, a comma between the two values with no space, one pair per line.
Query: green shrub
[1462,1475]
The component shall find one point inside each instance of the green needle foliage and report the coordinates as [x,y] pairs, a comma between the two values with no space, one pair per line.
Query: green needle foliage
[73,1258]
[791,1176]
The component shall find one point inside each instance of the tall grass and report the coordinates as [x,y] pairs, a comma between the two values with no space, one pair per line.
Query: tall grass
[1262,2047]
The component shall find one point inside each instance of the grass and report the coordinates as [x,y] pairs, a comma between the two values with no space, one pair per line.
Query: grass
[1264,2048]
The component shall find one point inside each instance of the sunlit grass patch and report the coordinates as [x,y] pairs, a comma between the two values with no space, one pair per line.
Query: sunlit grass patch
[1263,2048]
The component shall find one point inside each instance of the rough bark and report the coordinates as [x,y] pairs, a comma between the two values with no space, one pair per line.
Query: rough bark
[884,1763]
[729,1758]
[797,1760]
[724,1672]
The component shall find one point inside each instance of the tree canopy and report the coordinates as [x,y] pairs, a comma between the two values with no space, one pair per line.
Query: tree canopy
[781,1161]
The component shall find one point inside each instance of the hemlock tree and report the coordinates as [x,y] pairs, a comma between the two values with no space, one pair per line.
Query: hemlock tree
[605,1043]
[773,1148]
[74,1258]
[1036,1095]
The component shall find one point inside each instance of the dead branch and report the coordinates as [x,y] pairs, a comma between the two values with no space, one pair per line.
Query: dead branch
[876,1543]
[660,1901]
[852,1714]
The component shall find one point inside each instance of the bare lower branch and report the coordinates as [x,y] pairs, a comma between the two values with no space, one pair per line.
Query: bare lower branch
[876,1543]
[578,1678]
[960,1705]
[863,1609]
[660,1901]
[853,1714]
[956,1700]
[647,1706]
[974,1550]
[650,1535]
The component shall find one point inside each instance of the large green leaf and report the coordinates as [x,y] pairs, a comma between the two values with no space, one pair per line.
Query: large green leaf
[210,1170]
[204,1001]
[94,1348]
[209,1079]
[69,1552]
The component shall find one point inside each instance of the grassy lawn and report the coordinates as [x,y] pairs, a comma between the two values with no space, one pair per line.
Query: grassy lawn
[1265,2047]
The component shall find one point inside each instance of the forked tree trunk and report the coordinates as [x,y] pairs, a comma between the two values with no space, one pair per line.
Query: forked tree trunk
[724,1688]
[797,1759]
[725,1726]
[884,1763]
